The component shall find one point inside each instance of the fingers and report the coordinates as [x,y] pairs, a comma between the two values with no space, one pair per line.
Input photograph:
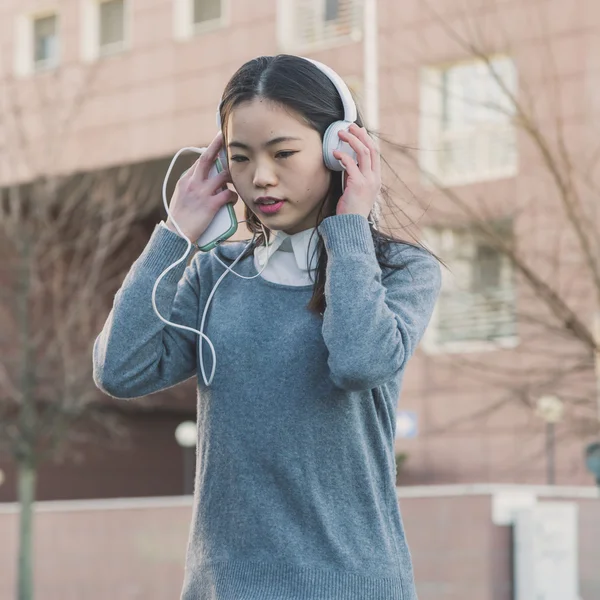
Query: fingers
[352,169]
[218,181]
[225,197]
[208,187]
[369,142]
[364,146]
[208,158]
[187,172]
[190,172]
[363,154]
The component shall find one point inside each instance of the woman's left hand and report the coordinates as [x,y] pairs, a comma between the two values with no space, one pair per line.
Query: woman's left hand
[363,180]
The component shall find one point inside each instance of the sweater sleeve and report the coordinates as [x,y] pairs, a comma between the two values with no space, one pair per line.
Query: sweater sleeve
[373,322]
[136,353]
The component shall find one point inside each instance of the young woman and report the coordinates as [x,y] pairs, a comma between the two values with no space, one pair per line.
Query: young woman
[295,476]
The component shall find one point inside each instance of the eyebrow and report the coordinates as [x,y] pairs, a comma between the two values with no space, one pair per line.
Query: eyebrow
[273,142]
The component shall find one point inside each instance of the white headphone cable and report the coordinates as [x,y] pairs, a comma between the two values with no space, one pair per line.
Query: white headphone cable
[173,265]
[228,269]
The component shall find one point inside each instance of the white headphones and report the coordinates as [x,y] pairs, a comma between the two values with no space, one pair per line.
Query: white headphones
[331,139]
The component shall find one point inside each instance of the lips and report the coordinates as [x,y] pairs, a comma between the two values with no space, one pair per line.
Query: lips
[264,199]
[269,209]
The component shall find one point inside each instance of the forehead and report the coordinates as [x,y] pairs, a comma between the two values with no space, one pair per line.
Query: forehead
[260,118]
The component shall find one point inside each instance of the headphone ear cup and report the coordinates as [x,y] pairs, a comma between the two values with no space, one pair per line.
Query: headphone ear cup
[331,142]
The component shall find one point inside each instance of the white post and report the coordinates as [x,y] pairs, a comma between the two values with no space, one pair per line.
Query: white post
[371,64]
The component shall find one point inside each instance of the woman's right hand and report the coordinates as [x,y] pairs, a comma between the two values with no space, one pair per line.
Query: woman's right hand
[198,198]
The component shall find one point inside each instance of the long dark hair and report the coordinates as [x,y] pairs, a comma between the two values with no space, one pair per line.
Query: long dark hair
[296,83]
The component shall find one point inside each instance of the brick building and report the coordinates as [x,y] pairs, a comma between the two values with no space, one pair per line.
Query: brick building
[439,80]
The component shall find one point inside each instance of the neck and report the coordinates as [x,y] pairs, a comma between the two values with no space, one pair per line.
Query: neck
[300,231]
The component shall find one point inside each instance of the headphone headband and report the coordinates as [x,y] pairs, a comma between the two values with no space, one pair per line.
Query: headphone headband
[350,112]
[331,139]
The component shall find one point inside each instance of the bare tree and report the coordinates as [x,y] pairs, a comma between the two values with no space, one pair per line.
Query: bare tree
[66,241]
[546,227]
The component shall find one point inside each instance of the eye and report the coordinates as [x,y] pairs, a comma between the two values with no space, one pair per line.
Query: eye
[238,158]
[285,153]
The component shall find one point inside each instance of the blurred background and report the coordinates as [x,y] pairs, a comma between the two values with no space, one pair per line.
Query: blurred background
[487,113]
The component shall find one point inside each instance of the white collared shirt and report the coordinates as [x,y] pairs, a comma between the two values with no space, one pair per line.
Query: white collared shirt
[292,258]
[288,255]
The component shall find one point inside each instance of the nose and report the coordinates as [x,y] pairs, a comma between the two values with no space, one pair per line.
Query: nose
[264,175]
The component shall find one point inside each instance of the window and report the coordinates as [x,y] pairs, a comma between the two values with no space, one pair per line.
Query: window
[106,28]
[199,16]
[111,24]
[476,307]
[309,24]
[332,10]
[206,10]
[45,42]
[467,132]
[37,43]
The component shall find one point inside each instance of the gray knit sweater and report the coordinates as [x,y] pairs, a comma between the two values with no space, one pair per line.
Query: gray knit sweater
[294,487]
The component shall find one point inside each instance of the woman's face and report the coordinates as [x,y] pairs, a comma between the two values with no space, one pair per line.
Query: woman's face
[273,152]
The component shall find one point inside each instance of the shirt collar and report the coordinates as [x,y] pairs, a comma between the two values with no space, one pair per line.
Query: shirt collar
[303,245]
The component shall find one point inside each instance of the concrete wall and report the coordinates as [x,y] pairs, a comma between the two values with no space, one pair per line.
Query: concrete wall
[130,549]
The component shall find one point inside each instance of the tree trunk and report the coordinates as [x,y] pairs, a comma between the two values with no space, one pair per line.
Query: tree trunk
[26,488]
[26,447]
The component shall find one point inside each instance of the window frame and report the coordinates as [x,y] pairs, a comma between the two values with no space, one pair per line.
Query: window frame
[91,48]
[287,35]
[184,27]
[114,47]
[431,343]
[432,135]
[24,63]
[47,63]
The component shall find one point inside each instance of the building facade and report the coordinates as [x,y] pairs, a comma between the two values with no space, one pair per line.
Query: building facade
[479,112]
